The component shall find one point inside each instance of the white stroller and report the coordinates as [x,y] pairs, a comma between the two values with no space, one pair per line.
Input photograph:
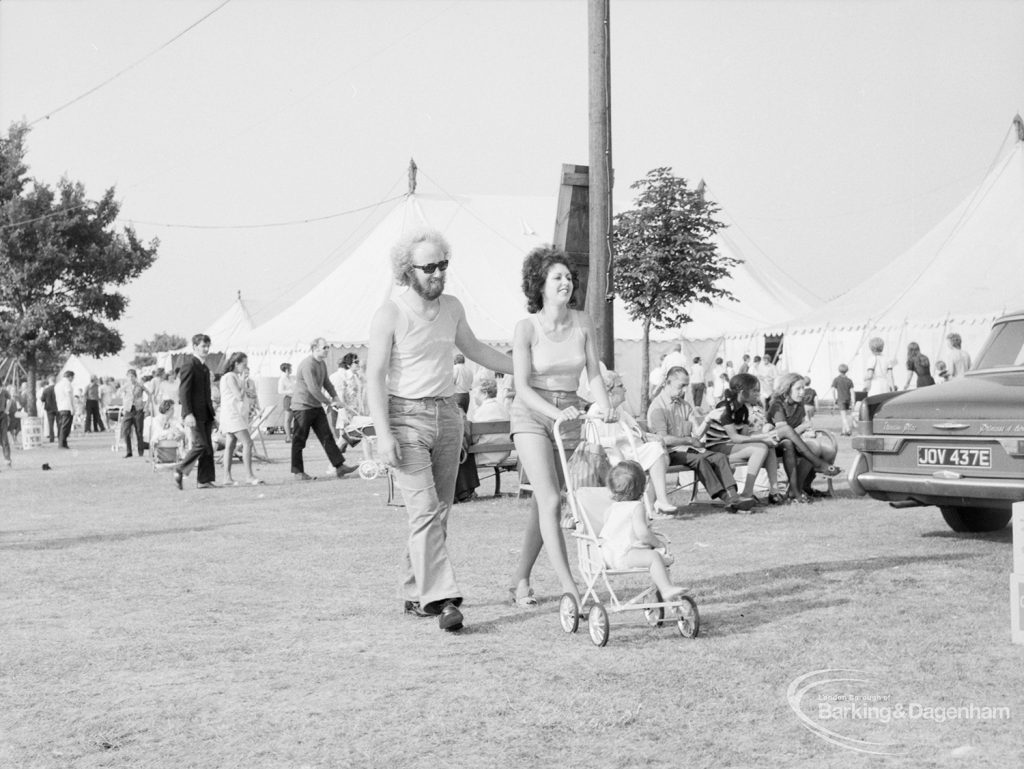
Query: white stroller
[359,429]
[589,506]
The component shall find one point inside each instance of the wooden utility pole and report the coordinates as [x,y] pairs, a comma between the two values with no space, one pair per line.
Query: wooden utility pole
[600,283]
[572,229]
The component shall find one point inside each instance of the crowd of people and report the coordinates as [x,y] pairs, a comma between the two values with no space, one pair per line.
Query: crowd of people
[418,390]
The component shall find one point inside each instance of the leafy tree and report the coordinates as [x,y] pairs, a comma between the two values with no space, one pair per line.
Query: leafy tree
[60,258]
[145,352]
[665,257]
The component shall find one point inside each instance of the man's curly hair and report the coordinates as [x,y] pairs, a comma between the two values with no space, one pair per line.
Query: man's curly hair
[401,252]
[536,266]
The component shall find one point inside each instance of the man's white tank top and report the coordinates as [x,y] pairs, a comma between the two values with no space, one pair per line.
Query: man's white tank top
[423,352]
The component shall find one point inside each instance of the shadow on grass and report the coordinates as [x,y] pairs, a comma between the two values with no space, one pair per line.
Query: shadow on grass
[89,539]
[758,597]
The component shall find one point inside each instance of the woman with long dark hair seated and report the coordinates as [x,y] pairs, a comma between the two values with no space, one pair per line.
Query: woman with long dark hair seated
[728,430]
[786,412]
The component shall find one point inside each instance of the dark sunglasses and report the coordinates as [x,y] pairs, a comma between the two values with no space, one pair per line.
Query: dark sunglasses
[429,268]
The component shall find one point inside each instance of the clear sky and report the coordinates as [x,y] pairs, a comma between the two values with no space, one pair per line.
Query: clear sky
[833,133]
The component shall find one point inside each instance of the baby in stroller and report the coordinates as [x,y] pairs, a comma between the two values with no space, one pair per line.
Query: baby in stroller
[628,540]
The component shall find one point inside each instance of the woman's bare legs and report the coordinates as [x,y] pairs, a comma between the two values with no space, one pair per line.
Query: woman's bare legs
[788,433]
[543,526]
[659,482]
[247,454]
[229,451]
[757,455]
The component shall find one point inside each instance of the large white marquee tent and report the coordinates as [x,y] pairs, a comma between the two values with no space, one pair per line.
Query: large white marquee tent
[964,273]
[489,237]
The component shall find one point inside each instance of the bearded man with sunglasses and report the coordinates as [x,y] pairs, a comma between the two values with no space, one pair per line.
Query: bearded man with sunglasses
[413,340]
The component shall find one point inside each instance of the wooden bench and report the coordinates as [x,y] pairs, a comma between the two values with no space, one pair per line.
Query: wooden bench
[478,430]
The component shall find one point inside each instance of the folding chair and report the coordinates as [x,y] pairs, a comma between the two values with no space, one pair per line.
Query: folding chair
[256,432]
[166,452]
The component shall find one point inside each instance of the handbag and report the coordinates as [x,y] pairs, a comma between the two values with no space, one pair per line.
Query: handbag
[589,465]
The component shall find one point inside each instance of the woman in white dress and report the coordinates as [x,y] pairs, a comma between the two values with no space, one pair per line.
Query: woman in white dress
[234,417]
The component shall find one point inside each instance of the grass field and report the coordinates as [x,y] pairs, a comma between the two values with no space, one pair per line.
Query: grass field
[259,627]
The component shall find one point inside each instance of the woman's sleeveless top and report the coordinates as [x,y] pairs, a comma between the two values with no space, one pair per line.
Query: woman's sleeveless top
[557,365]
[423,351]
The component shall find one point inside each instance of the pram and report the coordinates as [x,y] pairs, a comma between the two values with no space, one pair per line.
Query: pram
[358,430]
[589,506]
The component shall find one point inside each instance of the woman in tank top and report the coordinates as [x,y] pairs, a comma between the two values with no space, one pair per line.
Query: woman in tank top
[551,347]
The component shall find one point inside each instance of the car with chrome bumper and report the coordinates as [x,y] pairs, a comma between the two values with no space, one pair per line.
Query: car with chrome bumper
[958,445]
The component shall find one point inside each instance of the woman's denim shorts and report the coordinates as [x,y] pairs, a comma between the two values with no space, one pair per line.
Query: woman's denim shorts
[523,419]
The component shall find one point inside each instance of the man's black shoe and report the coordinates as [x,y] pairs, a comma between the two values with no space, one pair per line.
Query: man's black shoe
[178,477]
[414,608]
[450,617]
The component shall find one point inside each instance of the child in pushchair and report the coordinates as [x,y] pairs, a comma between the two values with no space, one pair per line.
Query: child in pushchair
[628,540]
[614,539]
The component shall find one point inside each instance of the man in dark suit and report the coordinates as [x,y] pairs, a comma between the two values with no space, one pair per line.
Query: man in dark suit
[197,413]
[49,399]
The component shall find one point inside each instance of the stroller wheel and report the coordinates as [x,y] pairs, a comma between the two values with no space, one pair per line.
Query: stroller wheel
[597,622]
[688,620]
[368,470]
[568,613]
[655,616]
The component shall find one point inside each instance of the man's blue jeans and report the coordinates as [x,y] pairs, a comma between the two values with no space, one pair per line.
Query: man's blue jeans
[429,434]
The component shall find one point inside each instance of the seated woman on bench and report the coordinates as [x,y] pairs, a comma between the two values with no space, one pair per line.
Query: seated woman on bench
[650,452]
[800,458]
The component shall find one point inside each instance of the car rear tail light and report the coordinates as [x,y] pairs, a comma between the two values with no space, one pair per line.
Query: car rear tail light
[868,442]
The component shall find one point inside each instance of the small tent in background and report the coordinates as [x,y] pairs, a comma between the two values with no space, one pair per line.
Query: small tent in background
[86,366]
[227,333]
[959,277]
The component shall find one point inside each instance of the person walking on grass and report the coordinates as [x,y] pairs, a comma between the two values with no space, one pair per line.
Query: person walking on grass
[5,422]
[551,349]
[65,394]
[413,338]
[286,388]
[313,391]
[93,421]
[234,418]
[49,400]
[134,399]
[194,393]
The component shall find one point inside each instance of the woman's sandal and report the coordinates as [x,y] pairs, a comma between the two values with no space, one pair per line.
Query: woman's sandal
[527,601]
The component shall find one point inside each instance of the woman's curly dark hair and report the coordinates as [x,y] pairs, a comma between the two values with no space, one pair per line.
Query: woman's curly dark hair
[536,266]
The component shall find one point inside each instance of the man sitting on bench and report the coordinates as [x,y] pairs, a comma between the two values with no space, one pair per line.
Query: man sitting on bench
[490,409]
[670,417]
